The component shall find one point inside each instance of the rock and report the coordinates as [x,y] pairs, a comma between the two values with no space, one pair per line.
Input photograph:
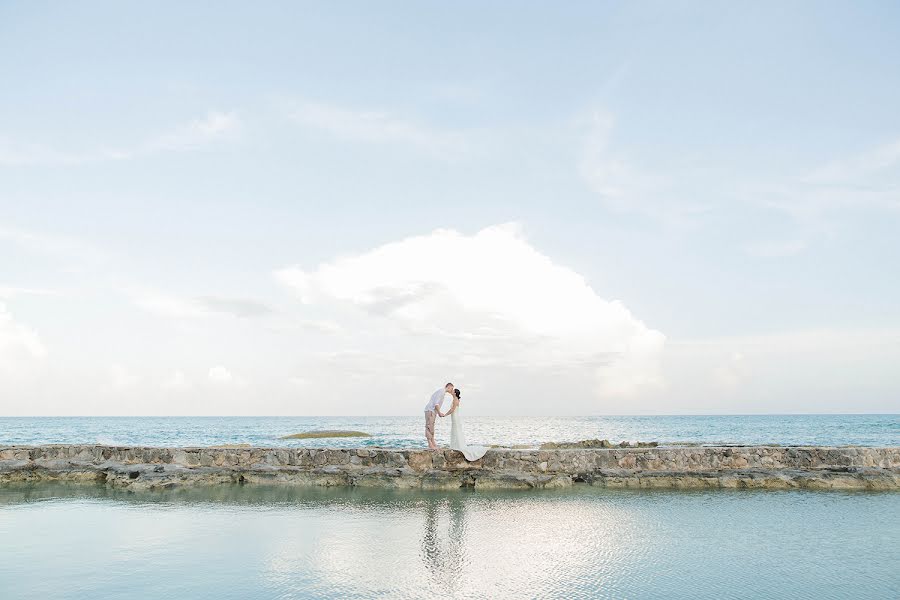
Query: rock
[557,481]
[628,461]
[438,461]
[595,444]
[511,446]
[307,435]
[598,464]
[575,445]
[420,460]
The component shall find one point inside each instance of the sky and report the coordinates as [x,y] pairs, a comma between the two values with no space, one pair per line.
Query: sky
[335,208]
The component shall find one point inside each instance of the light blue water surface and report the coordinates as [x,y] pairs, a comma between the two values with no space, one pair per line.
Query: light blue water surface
[246,542]
[407,432]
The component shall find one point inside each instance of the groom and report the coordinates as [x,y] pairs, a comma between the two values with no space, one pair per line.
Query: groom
[434,406]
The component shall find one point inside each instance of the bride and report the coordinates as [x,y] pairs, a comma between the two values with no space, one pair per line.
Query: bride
[458,436]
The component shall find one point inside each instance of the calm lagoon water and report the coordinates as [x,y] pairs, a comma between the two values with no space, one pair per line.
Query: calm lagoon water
[258,542]
[407,431]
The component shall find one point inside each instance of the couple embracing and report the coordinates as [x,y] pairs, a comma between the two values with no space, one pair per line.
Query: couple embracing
[457,435]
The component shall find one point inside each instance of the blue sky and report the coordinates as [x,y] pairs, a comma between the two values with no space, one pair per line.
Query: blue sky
[191,196]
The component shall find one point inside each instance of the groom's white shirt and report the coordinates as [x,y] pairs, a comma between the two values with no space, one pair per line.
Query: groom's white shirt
[436,399]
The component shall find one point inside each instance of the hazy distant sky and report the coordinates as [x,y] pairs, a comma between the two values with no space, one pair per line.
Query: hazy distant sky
[335,208]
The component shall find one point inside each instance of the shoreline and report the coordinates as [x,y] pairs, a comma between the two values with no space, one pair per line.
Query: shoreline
[674,467]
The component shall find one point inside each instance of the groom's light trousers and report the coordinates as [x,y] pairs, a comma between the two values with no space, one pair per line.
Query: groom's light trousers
[429,426]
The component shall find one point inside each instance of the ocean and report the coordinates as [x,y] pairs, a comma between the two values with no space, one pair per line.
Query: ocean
[256,541]
[407,431]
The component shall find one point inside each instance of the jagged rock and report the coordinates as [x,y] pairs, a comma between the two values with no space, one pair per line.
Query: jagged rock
[598,464]
[420,461]
[573,445]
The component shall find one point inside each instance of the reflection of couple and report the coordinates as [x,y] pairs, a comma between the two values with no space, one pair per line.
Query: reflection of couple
[444,549]
[457,435]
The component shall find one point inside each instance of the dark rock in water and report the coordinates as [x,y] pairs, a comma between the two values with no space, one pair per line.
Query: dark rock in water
[307,435]
[574,445]
[595,444]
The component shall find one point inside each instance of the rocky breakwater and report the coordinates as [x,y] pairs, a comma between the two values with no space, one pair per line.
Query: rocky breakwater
[659,467]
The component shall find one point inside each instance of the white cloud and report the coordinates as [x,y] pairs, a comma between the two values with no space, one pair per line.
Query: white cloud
[215,126]
[19,344]
[624,185]
[19,154]
[485,301]
[612,177]
[123,377]
[816,371]
[816,199]
[300,382]
[238,307]
[679,193]
[8,292]
[169,305]
[732,372]
[854,168]
[60,247]
[372,126]
[220,374]
[320,326]
[177,381]
[775,248]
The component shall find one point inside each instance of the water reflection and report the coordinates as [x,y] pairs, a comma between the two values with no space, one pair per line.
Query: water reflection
[265,542]
[443,548]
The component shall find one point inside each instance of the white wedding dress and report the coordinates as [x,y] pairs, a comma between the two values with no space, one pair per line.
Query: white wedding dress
[458,438]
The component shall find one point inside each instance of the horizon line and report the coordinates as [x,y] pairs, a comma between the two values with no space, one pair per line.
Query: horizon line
[785,414]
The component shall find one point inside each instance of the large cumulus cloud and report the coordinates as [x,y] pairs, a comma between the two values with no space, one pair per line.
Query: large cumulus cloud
[20,346]
[489,303]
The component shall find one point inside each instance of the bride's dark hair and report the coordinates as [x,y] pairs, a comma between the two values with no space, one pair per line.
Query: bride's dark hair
[458,393]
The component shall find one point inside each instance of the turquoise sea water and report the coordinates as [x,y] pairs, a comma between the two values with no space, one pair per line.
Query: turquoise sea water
[407,432]
[247,542]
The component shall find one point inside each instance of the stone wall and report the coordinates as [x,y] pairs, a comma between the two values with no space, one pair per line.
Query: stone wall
[695,467]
